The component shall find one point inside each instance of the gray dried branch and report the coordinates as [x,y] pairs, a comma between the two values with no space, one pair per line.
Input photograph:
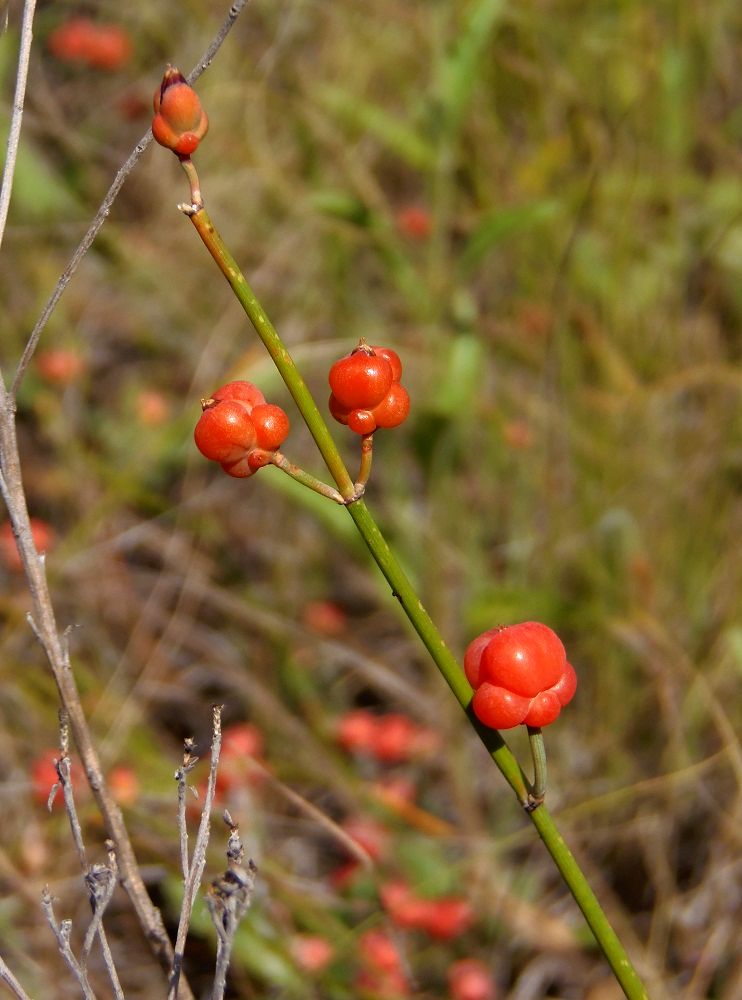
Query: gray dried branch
[100,879]
[195,871]
[228,901]
[19,97]
[43,619]
[7,977]
[62,934]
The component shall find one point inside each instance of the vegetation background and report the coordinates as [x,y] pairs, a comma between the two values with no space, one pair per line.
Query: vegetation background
[539,206]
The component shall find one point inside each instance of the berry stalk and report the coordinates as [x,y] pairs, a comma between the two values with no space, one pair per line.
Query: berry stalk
[403,590]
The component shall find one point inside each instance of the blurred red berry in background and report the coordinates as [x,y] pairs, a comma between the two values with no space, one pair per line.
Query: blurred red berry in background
[123,784]
[443,918]
[517,435]
[43,538]
[241,743]
[100,46]
[312,952]
[44,775]
[60,365]
[470,979]
[152,407]
[371,835]
[413,221]
[383,972]
[392,738]
[325,618]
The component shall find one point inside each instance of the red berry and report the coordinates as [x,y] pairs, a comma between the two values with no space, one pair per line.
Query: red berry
[224,432]
[525,658]
[245,392]
[61,365]
[448,918]
[312,952]
[470,979]
[152,407]
[70,42]
[44,775]
[405,909]
[414,222]
[43,538]
[393,409]
[123,784]
[520,675]
[80,40]
[360,380]
[396,738]
[271,425]
[325,618]
[361,421]
[110,48]
[393,358]
[357,730]
[240,743]
[242,740]
[383,973]
[369,834]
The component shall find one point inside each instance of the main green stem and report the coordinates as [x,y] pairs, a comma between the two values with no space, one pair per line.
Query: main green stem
[418,616]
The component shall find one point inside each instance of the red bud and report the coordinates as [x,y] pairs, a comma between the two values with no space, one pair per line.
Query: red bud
[180,123]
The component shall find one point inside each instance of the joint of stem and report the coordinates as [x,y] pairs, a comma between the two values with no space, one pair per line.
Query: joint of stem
[357,494]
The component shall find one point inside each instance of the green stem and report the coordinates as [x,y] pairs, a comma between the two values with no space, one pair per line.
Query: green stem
[364,470]
[305,478]
[538,753]
[403,590]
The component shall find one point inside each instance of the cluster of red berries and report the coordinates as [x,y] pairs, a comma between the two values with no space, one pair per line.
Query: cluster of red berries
[520,675]
[366,392]
[239,429]
[391,738]
[180,123]
[100,46]
[444,917]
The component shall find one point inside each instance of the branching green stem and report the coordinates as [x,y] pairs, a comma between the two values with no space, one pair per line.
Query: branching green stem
[403,590]
[305,478]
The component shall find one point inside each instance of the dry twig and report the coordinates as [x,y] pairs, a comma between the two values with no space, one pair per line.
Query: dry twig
[42,619]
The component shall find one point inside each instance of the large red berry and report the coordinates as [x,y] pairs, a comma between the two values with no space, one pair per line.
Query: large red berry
[525,658]
[224,432]
[520,674]
[360,380]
